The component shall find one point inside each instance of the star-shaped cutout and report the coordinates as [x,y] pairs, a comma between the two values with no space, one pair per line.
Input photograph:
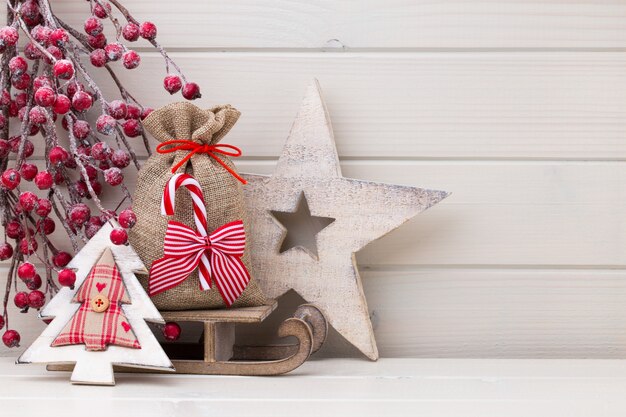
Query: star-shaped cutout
[301,228]
[363,211]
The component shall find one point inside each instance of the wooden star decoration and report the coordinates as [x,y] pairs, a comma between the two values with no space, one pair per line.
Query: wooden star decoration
[363,211]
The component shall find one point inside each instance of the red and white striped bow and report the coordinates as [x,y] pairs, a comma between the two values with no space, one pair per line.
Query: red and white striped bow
[216,255]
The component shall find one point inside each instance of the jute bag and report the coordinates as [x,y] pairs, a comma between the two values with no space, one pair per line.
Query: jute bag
[178,124]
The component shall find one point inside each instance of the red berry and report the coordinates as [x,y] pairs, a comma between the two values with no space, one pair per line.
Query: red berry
[21,82]
[28,171]
[93,26]
[62,104]
[100,151]
[63,69]
[79,213]
[18,65]
[148,30]
[132,111]
[191,91]
[26,271]
[82,101]
[114,51]
[11,338]
[3,121]
[28,246]
[132,128]
[55,52]
[58,155]
[119,236]
[120,158]
[33,283]
[10,179]
[20,100]
[31,52]
[42,81]
[59,37]
[98,58]
[46,225]
[27,201]
[14,230]
[171,331]
[67,278]
[45,96]
[131,59]
[81,129]
[1,322]
[6,251]
[106,124]
[146,112]
[37,115]
[20,300]
[127,218]
[8,36]
[36,299]
[43,180]
[44,207]
[92,227]
[131,32]
[61,259]
[98,41]
[4,148]
[172,84]
[117,109]
[102,10]
[92,173]
[113,176]
[41,34]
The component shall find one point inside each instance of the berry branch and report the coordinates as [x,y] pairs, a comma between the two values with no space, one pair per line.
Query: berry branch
[83,155]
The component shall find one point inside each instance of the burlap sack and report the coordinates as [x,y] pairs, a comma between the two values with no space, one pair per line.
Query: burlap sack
[222,193]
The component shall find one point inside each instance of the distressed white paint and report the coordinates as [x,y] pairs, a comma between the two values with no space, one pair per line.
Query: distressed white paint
[95,367]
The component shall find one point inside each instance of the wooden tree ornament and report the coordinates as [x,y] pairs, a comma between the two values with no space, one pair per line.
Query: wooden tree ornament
[341,216]
[94,362]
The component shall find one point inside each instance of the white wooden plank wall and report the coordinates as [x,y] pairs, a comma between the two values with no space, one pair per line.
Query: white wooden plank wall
[516,107]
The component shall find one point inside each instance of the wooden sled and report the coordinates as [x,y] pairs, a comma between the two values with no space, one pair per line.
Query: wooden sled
[220,355]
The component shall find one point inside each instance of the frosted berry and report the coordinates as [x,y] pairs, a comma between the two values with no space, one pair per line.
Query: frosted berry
[171,331]
[191,91]
[172,84]
[6,251]
[1,322]
[92,227]
[81,129]
[93,26]
[132,128]
[79,213]
[41,34]
[20,100]
[148,30]
[106,124]
[11,179]
[26,271]
[92,173]
[98,58]
[46,225]
[63,69]
[36,299]
[20,300]
[11,338]
[62,104]
[18,65]
[44,207]
[8,37]
[41,81]
[14,230]
[31,52]
[114,51]
[5,148]
[131,32]
[45,96]
[28,201]
[3,121]
[37,115]
[133,112]
[55,52]
[21,82]
[127,218]
[102,10]
[43,180]
[146,112]
[98,41]
[82,101]
[100,151]
[28,171]
[33,283]
[59,37]
[117,109]
[131,59]
[120,158]
[58,155]
[28,246]
[61,259]
[67,278]
[119,236]
[113,176]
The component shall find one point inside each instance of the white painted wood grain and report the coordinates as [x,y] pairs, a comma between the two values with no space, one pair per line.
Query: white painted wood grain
[415,105]
[391,387]
[377,23]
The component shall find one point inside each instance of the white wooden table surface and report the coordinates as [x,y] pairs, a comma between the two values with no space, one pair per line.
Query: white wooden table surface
[342,387]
